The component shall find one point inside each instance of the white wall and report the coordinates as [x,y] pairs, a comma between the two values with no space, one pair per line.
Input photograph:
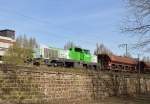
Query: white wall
[5,45]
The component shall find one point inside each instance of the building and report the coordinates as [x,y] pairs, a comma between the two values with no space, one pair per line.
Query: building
[7,38]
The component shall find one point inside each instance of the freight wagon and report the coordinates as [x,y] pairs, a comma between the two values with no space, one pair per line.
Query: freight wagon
[122,64]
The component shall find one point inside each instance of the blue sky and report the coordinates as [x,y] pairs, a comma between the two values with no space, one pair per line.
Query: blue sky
[54,22]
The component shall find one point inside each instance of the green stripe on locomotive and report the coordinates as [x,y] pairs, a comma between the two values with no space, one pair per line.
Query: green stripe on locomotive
[79,54]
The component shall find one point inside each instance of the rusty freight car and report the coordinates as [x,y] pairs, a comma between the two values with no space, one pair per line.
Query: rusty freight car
[117,63]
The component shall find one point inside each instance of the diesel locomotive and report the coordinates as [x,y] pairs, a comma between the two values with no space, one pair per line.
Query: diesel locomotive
[74,57]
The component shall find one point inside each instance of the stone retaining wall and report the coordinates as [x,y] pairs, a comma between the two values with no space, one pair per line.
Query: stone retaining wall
[44,86]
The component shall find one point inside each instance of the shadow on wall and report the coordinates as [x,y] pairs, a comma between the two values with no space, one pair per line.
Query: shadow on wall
[106,85]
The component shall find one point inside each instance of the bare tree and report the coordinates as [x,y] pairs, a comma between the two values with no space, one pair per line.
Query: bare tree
[69,45]
[139,22]
[146,59]
[21,51]
[25,42]
[33,43]
[102,49]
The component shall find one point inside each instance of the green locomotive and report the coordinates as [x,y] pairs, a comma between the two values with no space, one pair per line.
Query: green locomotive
[74,57]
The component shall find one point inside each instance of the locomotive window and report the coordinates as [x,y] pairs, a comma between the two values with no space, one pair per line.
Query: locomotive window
[78,49]
[87,51]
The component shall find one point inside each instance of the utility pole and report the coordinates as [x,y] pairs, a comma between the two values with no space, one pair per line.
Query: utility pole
[139,66]
[126,48]
[138,74]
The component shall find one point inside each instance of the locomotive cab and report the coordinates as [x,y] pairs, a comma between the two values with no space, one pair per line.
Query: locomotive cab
[75,54]
[80,54]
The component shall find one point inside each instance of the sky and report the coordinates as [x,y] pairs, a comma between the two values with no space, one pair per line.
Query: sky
[55,22]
